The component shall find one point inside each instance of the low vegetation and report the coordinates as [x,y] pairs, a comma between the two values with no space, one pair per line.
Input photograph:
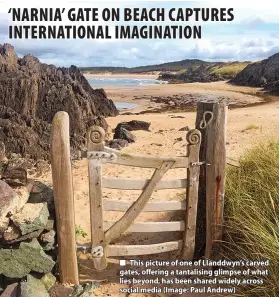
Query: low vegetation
[251,127]
[80,232]
[230,69]
[252,211]
[179,70]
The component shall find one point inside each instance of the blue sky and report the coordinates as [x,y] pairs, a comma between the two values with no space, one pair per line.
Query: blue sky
[253,35]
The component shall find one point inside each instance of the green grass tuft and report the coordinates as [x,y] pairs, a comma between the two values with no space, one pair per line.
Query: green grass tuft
[230,69]
[252,214]
[80,232]
[251,127]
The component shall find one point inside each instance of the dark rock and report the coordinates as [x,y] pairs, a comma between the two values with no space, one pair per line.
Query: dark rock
[177,117]
[47,240]
[42,193]
[260,74]
[11,291]
[122,133]
[60,291]
[127,113]
[31,217]
[9,200]
[12,233]
[117,144]
[31,93]
[13,236]
[134,125]
[2,151]
[84,290]
[15,177]
[178,139]
[186,128]
[33,288]
[17,263]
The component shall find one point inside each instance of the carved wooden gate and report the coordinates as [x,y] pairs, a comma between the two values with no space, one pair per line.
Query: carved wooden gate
[102,236]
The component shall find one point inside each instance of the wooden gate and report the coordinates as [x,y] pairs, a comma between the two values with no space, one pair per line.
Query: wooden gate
[103,235]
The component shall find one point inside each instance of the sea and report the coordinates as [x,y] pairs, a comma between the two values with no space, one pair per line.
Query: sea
[101,82]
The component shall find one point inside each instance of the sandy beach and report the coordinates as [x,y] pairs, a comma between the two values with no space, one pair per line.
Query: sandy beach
[246,127]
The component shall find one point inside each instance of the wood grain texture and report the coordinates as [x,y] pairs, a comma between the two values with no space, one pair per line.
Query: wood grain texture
[135,250]
[147,227]
[132,213]
[145,161]
[137,184]
[64,198]
[194,140]
[215,176]
[95,142]
[156,206]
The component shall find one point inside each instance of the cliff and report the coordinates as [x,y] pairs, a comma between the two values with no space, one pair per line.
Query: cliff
[32,92]
[260,74]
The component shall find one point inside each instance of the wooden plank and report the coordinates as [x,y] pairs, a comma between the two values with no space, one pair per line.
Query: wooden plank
[145,161]
[135,250]
[128,218]
[194,140]
[95,142]
[213,151]
[64,198]
[146,227]
[137,184]
[215,176]
[156,206]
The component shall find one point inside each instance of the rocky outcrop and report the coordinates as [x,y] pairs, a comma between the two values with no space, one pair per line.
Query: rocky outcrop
[134,125]
[260,74]
[122,133]
[32,92]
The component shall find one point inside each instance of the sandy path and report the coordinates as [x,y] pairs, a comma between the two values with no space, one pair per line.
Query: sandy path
[162,140]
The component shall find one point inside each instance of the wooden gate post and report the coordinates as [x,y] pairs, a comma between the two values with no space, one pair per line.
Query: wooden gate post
[211,121]
[95,147]
[64,198]
[194,140]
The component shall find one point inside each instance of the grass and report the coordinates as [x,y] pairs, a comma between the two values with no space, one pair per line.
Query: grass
[80,232]
[251,127]
[252,214]
[230,69]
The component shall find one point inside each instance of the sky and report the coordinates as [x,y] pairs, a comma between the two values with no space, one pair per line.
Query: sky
[252,36]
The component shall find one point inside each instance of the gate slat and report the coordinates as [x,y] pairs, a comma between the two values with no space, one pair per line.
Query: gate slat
[146,227]
[156,206]
[137,250]
[145,161]
[137,184]
[132,213]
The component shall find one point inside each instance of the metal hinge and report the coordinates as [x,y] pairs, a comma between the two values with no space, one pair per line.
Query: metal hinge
[192,164]
[96,252]
[100,155]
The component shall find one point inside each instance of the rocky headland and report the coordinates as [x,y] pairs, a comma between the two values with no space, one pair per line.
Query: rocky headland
[32,92]
[260,74]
